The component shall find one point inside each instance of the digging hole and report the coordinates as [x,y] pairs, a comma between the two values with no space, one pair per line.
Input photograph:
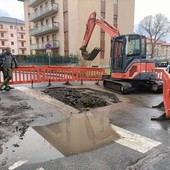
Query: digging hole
[82,99]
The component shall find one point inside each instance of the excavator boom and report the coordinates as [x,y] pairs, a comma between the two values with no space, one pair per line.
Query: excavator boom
[104,25]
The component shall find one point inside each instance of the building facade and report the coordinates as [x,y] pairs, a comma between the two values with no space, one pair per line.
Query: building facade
[58,26]
[12,34]
[161,50]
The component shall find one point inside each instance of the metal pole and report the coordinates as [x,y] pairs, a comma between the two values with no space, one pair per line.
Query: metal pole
[49,57]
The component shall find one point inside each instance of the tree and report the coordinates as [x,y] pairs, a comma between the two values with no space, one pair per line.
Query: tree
[155,28]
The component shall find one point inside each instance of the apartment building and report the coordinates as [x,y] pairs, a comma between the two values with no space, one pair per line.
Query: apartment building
[12,34]
[161,51]
[58,26]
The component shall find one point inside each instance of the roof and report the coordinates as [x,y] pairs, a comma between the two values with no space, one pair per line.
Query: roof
[11,20]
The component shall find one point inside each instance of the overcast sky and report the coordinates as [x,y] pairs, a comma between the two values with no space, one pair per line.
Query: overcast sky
[151,7]
[15,9]
[12,8]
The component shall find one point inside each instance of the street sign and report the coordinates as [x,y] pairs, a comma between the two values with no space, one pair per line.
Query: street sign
[48,46]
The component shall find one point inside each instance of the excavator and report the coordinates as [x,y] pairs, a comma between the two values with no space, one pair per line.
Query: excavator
[130,70]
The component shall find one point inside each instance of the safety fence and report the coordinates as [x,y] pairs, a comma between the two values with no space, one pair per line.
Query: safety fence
[36,74]
[166,92]
[24,74]
[164,76]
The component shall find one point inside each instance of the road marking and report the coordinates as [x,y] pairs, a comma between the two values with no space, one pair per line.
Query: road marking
[134,141]
[40,168]
[17,164]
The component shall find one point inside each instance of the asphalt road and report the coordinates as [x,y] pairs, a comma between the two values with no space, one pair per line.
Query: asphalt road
[142,143]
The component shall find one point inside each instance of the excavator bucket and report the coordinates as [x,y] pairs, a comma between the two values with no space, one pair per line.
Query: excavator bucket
[90,56]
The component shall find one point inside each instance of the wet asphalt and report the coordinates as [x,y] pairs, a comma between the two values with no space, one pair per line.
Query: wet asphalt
[133,113]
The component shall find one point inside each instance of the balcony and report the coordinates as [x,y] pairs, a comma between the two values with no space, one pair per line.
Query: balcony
[43,12]
[21,39]
[21,31]
[4,45]
[21,47]
[4,38]
[45,29]
[40,46]
[34,3]
[5,29]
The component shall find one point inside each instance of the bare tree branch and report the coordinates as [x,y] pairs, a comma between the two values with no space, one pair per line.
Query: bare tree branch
[155,28]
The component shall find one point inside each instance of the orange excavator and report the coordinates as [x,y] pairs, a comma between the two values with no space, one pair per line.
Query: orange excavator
[129,68]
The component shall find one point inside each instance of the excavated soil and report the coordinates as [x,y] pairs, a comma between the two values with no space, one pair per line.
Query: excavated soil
[82,99]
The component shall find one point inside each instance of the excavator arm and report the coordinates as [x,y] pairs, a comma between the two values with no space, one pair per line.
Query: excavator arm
[104,25]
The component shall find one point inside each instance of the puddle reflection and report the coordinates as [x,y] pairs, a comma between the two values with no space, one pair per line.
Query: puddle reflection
[79,133]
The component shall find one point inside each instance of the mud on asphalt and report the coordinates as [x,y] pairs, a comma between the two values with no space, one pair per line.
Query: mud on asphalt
[12,116]
[16,113]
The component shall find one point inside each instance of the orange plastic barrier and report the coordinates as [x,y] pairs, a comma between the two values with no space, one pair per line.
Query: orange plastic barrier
[57,73]
[89,73]
[26,74]
[166,92]
[33,74]
[159,74]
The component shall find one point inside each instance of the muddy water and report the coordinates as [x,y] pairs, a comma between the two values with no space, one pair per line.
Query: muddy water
[77,134]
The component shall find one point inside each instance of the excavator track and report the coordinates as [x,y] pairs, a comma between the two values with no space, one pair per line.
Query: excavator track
[118,86]
[125,87]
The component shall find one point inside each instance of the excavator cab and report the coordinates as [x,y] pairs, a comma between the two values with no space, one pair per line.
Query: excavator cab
[125,49]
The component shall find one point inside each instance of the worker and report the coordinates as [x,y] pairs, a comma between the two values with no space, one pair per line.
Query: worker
[168,67]
[9,62]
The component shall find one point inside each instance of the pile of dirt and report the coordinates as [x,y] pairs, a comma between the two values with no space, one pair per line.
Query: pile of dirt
[82,99]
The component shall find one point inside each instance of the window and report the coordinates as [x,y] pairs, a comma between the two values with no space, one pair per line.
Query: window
[13,51]
[12,35]
[3,43]
[41,7]
[133,45]
[52,1]
[41,22]
[12,43]
[46,3]
[46,21]
[54,37]
[42,39]
[23,52]
[22,28]
[37,40]
[53,19]
[48,38]
[22,44]
[1,26]
[11,26]
[2,34]
[36,25]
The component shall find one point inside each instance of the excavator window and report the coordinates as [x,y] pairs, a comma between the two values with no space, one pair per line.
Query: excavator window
[133,45]
[117,54]
[143,49]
